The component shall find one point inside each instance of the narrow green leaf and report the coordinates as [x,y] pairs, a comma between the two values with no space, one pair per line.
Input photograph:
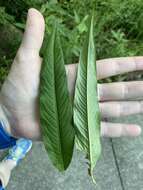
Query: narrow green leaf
[55,105]
[86,107]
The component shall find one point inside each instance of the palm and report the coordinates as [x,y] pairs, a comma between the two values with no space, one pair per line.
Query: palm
[19,94]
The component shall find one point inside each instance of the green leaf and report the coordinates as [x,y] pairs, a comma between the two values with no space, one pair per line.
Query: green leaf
[55,105]
[86,107]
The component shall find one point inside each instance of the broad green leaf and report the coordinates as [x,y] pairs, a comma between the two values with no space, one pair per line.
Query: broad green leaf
[55,105]
[86,107]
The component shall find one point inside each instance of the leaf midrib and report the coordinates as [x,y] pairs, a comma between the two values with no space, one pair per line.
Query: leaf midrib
[56,105]
[88,47]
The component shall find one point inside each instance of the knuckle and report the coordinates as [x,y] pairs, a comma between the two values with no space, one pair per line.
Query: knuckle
[100,92]
[24,55]
[20,57]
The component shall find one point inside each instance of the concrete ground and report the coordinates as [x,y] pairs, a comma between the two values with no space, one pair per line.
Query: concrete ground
[120,168]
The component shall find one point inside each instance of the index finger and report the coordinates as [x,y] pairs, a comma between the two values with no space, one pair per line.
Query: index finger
[107,68]
[114,66]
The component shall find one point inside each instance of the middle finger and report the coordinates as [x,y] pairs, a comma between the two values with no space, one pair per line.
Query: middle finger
[120,91]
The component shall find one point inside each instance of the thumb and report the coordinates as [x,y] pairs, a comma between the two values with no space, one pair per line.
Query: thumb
[27,60]
[34,32]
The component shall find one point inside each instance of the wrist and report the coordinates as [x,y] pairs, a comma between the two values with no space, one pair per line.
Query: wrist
[4,120]
[6,139]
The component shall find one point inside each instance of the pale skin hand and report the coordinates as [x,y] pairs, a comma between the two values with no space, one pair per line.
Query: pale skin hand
[19,94]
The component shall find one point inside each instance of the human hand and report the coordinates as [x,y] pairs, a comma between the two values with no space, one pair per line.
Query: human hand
[19,94]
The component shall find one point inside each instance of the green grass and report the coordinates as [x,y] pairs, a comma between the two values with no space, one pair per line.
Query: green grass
[118,29]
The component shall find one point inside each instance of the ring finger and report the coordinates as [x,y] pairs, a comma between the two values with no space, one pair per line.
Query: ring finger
[118,109]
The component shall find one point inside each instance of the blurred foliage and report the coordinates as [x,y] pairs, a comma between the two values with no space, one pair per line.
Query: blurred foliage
[118,27]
